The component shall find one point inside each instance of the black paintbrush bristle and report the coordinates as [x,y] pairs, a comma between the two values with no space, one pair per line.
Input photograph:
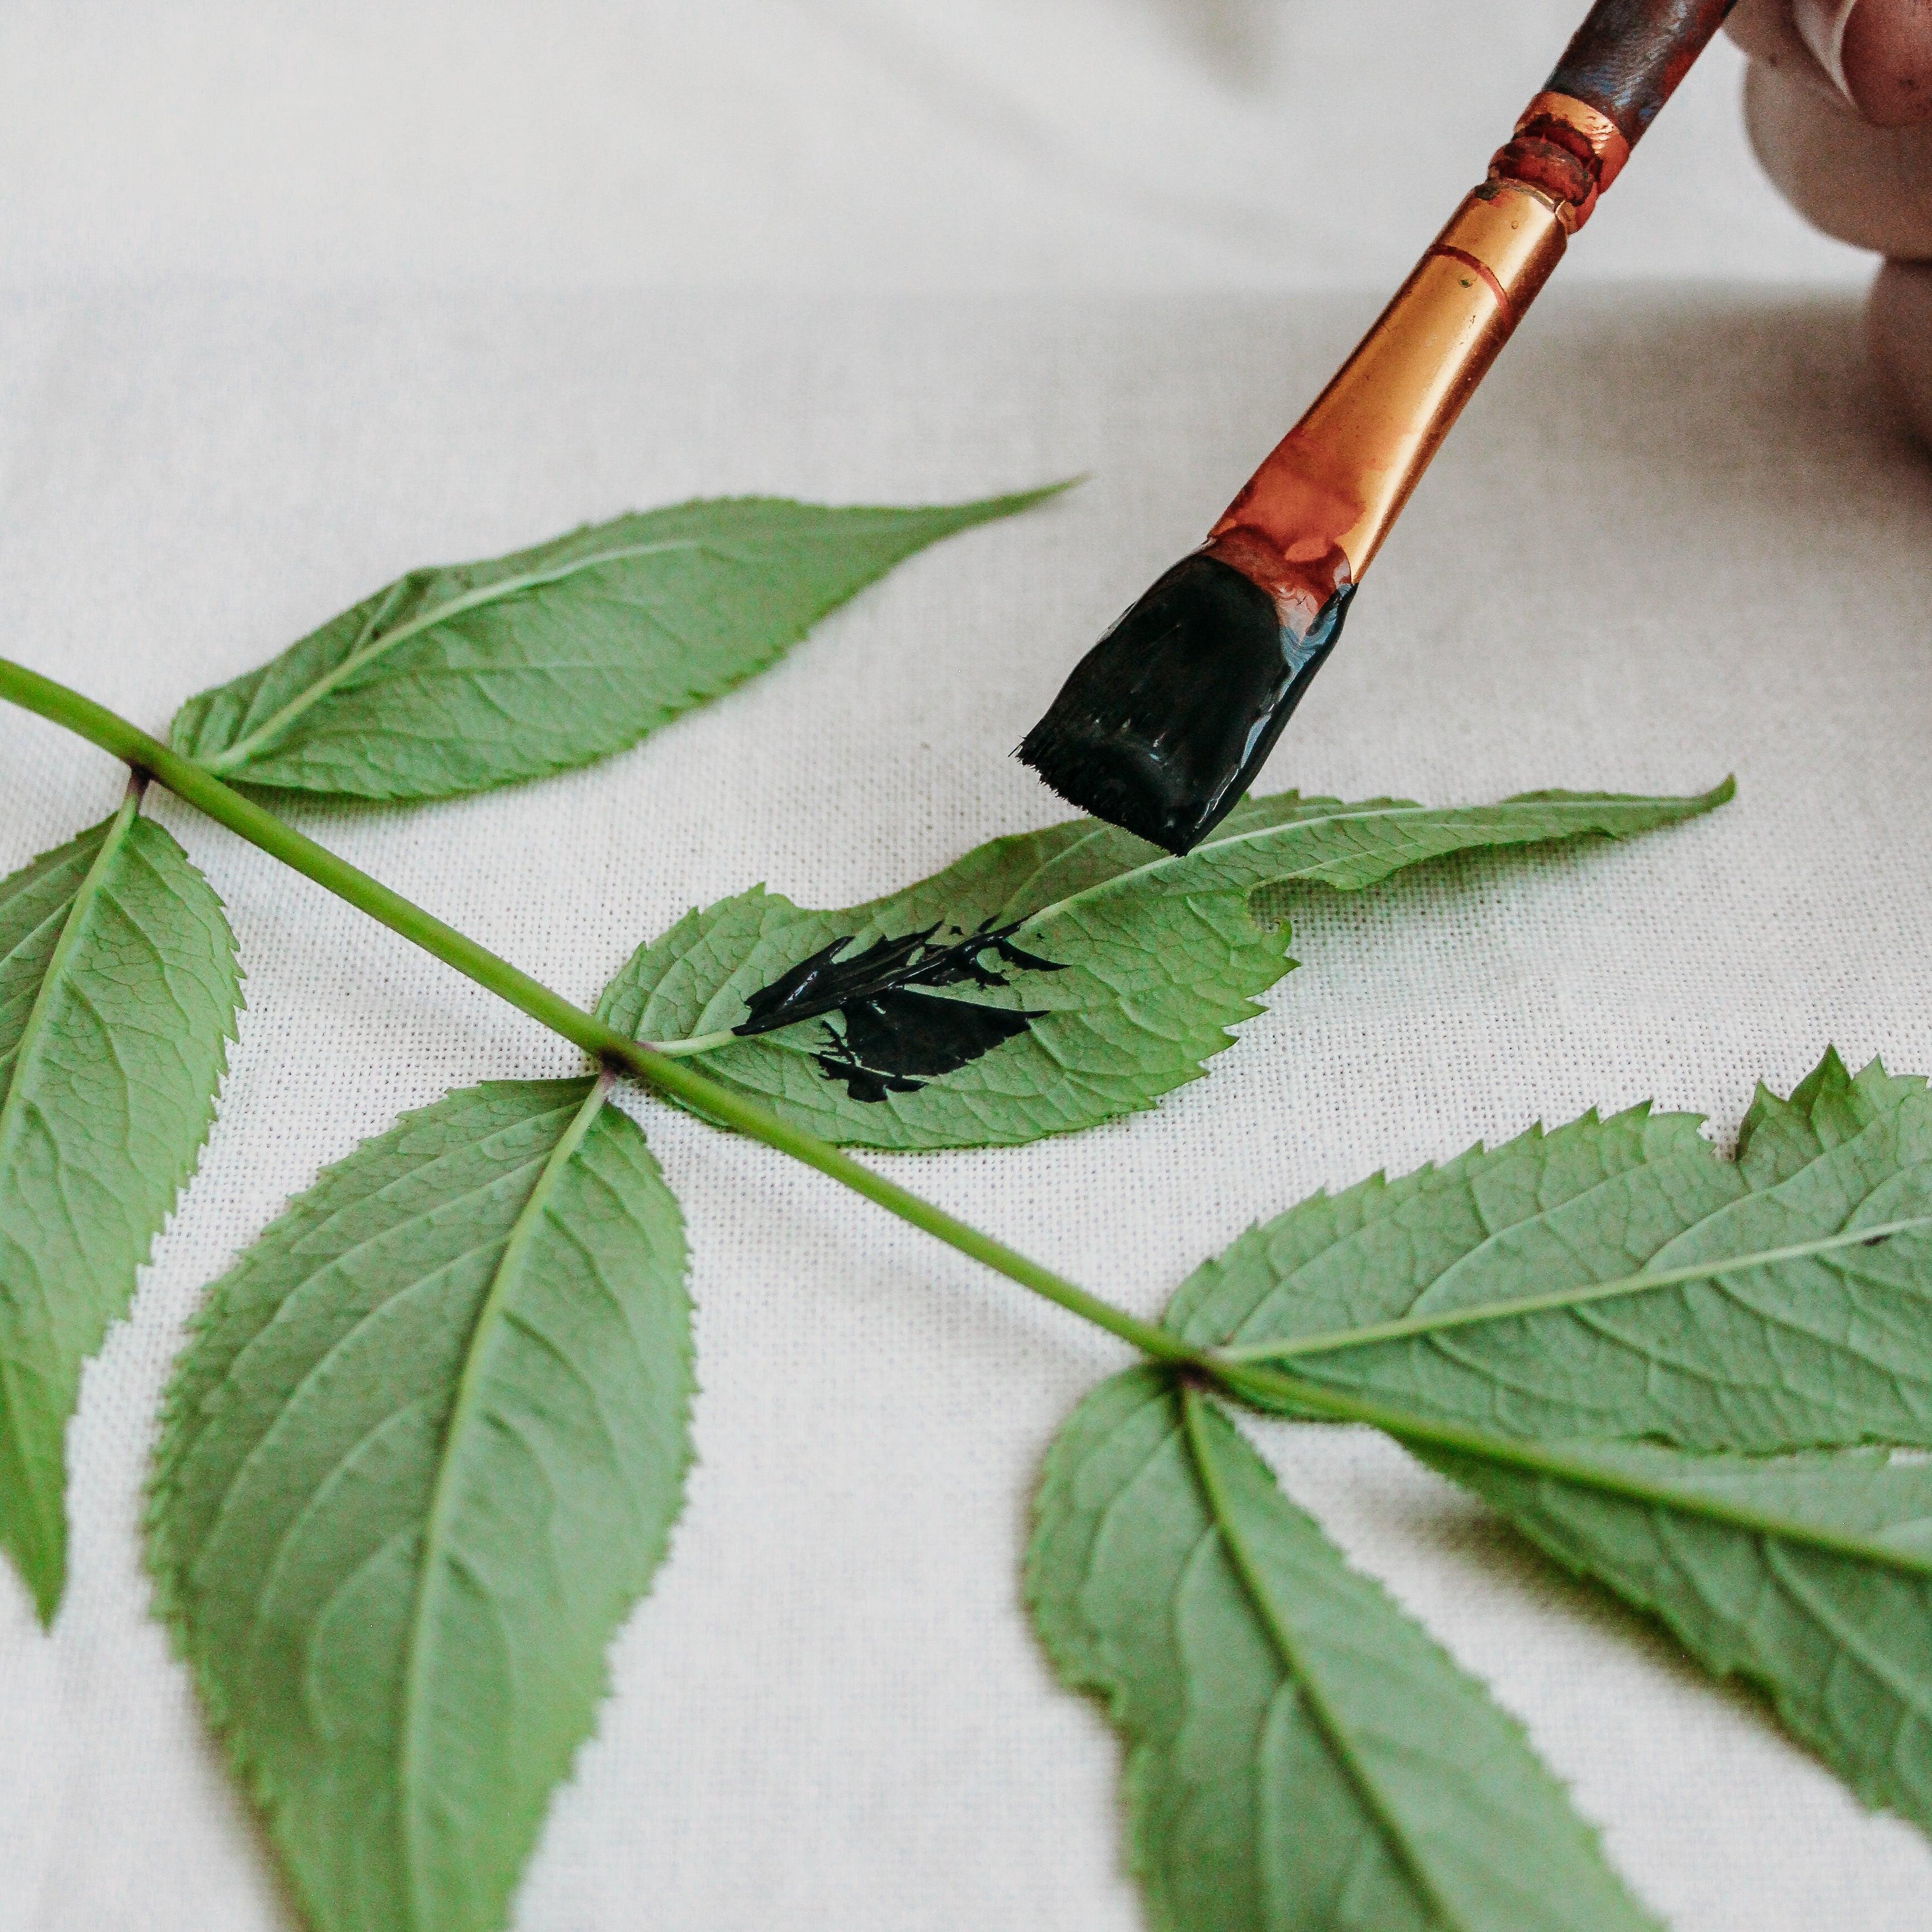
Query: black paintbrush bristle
[1166,721]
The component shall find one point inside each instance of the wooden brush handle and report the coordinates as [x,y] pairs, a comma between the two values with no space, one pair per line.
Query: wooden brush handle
[1622,64]
[1627,57]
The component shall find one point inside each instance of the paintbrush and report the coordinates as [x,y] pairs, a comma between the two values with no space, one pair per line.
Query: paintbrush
[1166,721]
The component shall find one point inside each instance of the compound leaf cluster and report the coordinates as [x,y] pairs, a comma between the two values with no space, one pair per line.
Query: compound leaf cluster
[425,1448]
[1701,1383]
[426,1443]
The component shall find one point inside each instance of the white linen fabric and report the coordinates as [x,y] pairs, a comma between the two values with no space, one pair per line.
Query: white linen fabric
[1676,535]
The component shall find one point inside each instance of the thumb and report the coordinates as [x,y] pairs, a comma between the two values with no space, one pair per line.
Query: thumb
[1838,100]
[1870,186]
[1878,53]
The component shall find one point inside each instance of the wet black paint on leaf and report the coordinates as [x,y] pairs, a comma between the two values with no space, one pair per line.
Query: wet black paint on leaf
[892,1036]
[824,983]
[896,1037]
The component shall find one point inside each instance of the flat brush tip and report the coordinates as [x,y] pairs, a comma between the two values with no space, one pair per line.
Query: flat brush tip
[1165,722]
[1083,764]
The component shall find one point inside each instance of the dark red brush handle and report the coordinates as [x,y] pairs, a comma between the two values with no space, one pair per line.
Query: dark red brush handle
[1628,57]
[1623,64]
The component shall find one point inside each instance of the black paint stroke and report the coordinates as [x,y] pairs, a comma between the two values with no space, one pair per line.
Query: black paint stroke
[897,1034]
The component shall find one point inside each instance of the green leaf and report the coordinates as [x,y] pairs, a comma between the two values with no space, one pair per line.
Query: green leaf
[1155,959]
[421,1455]
[455,679]
[1809,1577]
[1618,1279]
[118,989]
[1301,1756]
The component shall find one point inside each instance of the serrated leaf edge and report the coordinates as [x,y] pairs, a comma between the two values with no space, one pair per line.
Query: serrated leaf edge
[432,1573]
[1337,1341]
[1194,1411]
[47,1592]
[164,1561]
[1110,1691]
[1693,804]
[232,761]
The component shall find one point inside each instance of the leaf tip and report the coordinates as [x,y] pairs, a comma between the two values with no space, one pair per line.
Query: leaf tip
[1009,502]
[1829,1076]
[1045,492]
[39,1550]
[47,1592]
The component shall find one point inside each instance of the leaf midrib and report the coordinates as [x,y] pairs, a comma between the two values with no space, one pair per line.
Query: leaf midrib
[1415,1192]
[1337,1341]
[713,1039]
[1287,831]
[1099,829]
[1193,1408]
[86,895]
[13,1108]
[709,1041]
[243,748]
[1540,1460]
[1401,1326]
[412,1771]
[1166,859]
[264,1444]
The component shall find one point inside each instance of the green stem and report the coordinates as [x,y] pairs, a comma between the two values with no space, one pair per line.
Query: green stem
[658,1071]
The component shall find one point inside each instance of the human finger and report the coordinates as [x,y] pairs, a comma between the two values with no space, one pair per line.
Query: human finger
[1870,186]
[1874,56]
[1878,52]
[1765,30]
[1900,322]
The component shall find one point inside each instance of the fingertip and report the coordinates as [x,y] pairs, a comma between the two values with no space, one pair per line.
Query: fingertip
[1765,30]
[1871,186]
[1885,60]
[1900,324]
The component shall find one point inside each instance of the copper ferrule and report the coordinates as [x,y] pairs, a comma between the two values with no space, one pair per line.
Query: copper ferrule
[1315,514]
[1569,150]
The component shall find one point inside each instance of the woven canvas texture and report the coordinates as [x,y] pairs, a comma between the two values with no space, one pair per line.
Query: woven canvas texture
[1676,535]
[873,144]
